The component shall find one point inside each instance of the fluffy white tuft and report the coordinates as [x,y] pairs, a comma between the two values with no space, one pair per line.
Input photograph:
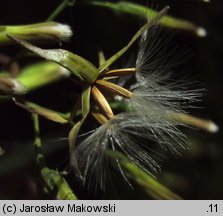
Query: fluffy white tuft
[155,99]
[213,128]
[156,94]
[125,133]
[201,32]
[64,31]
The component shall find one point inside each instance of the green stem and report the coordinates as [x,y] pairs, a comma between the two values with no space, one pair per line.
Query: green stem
[139,10]
[155,189]
[37,143]
[59,9]
[54,182]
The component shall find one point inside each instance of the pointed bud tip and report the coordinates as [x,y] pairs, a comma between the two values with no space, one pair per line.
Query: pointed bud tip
[65,72]
[18,87]
[64,31]
[201,32]
[213,128]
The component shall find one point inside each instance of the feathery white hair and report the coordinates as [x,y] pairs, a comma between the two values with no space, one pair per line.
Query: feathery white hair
[153,102]
[121,133]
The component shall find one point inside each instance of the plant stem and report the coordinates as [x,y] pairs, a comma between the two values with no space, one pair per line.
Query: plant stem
[59,9]
[54,182]
[155,189]
[37,142]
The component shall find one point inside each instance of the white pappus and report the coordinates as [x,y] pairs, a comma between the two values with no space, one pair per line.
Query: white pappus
[154,104]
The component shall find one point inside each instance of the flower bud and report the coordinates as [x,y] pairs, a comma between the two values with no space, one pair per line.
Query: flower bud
[41,74]
[46,31]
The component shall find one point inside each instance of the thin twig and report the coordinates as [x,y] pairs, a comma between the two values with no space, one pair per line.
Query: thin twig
[64,4]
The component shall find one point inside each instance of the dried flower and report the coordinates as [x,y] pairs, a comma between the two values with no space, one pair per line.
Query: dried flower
[157,107]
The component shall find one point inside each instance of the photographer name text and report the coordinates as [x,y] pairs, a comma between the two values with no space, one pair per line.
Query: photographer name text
[69,208]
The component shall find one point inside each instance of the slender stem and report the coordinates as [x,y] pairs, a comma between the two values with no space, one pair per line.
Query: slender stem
[52,178]
[149,184]
[152,22]
[59,9]
[37,142]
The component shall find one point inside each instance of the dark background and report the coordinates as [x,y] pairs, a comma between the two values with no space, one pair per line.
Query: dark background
[196,175]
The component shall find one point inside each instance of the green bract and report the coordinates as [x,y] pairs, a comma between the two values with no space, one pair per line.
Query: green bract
[42,111]
[80,67]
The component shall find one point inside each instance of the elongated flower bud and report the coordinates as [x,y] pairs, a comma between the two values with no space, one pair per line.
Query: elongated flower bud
[41,74]
[142,11]
[46,31]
